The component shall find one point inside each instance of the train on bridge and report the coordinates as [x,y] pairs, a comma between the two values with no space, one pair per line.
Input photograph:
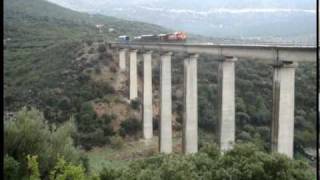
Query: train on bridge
[171,37]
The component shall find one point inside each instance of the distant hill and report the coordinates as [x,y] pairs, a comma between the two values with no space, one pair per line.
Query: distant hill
[42,40]
[44,23]
[267,19]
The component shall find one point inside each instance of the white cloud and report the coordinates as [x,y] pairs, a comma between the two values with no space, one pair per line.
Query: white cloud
[230,11]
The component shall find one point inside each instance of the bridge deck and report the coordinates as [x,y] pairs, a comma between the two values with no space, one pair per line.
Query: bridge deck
[267,53]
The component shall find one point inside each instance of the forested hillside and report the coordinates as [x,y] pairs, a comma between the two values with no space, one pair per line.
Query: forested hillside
[42,39]
[77,115]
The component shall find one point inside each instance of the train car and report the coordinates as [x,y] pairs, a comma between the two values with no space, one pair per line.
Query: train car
[124,39]
[149,38]
[136,38]
[163,37]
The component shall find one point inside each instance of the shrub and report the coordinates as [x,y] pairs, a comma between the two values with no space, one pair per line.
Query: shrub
[130,126]
[109,174]
[33,168]
[116,142]
[91,51]
[64,103]
[89,42]
[29,133]
[88,140]
[113,68]
[83,78]
[135,104]
[92,130]
[11,168]
[105,124]
[100,40]
[101,48]
[102,57]
[80,53]
[97,70]
[65,171]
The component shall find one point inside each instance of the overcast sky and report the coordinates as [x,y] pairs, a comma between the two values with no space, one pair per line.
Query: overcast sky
[193,4]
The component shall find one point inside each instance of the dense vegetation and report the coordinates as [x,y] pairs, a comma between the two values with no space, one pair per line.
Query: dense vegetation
[56,61]
[30,134]
[244,162]
[49,57]
[34,149]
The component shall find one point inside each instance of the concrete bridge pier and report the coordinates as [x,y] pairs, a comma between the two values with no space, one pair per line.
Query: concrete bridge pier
[122,59]
[133,92]
[226,103]
[283,108]
[147,96]
[190,122]
[165,138]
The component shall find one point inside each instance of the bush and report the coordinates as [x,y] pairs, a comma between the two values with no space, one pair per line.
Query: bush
[33,168]
[29,133]
[100,40]
[135,104]
[89,42]
[80,53]
[103,57]
[88,140]
[64,171]
[91,51]
[92,130]
[130,126]
[109,174]
[116,142]
[113,68]
[101,48]
[11,168]
[97,70]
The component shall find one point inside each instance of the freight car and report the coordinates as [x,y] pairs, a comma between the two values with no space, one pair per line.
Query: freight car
[124,39]
[149,38]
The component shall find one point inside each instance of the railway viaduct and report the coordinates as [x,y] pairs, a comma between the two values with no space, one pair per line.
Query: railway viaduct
[284,60]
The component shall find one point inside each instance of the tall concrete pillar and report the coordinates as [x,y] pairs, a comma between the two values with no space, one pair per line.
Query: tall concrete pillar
[165,139]
[190,122]
[283,108]
[133,75]
[226,103]
[147,96]
[122,59]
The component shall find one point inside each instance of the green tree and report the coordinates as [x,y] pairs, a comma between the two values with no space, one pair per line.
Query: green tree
[93,130]
[11,168]
[30,134]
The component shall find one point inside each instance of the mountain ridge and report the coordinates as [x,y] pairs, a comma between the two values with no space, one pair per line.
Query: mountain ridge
[289,20]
